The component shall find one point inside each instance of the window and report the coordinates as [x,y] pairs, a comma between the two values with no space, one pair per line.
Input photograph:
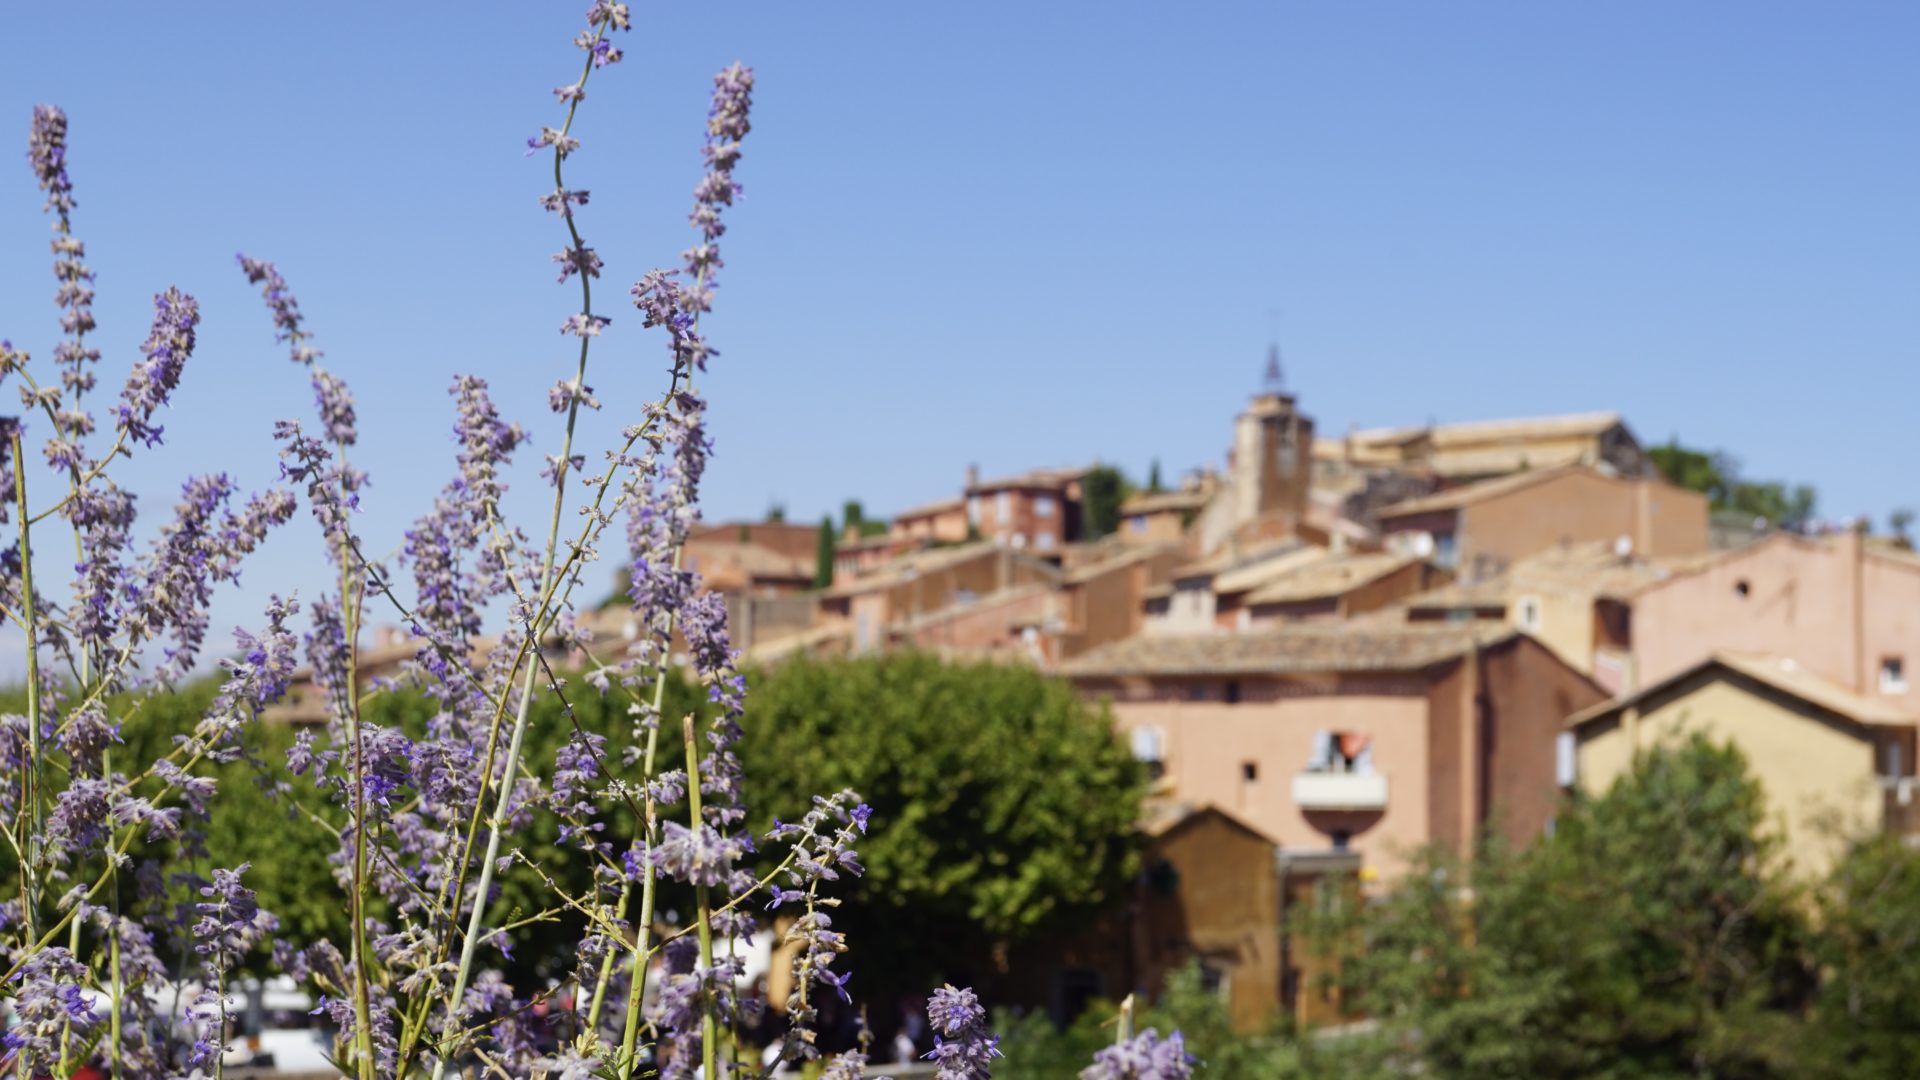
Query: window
[1002,507]
[973,510]
[1044,541]
[1741,589]
[1019,540]
[1565,759]
[1138,523]
[1446,550]
[1197,692]
[1147,743]
[1341,752]
[1233,692]
[1529,614]
[1043,506]
[1250,771]
[1893,675]
[1341,838]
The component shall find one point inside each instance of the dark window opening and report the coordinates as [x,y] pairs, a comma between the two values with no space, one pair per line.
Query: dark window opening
[1741,588]
[1340,838]
[1212,979]
[1250,771]
[1233,692]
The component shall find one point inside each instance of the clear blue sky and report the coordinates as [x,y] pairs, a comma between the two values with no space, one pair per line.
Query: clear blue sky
[1012,234]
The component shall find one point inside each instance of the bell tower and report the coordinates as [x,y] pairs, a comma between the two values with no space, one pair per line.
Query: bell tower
[1272,454]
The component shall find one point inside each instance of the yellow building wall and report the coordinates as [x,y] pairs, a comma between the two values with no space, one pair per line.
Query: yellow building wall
[1817,776]
[1566,624]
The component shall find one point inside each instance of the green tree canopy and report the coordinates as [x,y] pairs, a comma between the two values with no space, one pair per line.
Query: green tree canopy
[1868,1011]
[823,555]
[1102,491]
[1650,936]
[1003,806]
[1716,475]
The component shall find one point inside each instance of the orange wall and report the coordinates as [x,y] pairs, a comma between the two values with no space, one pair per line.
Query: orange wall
[991,625]
[1800,603]
[1530,694]
[1046,534]
[1110,606]
[1205,742]
[1582,506]
[1158,527]
[1225,909]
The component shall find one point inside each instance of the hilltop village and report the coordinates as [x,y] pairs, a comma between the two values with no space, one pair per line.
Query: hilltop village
[1331,651]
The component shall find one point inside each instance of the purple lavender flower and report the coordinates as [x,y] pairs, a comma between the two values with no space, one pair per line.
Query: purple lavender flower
[335,405]
[47,151]
[562,144]
[286,310]
[851,1065]
[79,819]
[1144,1057]
[963,1047]
[47,1002]
[231,921]
[168,345]
[702,857]
[105,518]
[578,259]
[561,201]
[614,14]
[567,392]
[584,325]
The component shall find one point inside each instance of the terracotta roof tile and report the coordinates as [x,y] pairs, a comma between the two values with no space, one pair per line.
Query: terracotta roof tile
[1469,494]
[1332,576]
[1292,650]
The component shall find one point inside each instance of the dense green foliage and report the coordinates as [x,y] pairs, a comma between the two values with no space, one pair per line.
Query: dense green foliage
[1656,933]
[855,520]
[1003,805]
[1036,1050]
[1716,475]
[1868,1010]
[1102,491]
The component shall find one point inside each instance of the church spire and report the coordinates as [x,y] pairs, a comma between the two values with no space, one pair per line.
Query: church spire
[1275,380]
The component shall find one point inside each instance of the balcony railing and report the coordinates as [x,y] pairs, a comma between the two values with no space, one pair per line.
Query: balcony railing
[1339,791]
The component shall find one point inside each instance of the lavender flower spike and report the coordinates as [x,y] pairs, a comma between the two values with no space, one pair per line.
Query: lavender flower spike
[286,309]
[962,1046]
[175,314]
[1144,1057]
[47,151]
